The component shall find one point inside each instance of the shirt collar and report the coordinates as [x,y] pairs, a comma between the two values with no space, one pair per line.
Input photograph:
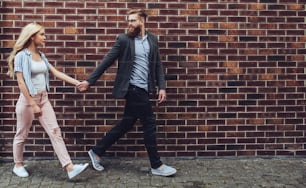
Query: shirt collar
[29,53]
[142,38]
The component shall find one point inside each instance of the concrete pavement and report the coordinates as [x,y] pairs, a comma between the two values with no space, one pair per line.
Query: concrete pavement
[192,173]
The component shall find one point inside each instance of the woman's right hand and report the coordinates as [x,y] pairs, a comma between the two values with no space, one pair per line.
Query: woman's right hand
[37,110]
[23,88]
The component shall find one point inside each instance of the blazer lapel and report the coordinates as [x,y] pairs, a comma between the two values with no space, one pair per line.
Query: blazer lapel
[151,46]
[132,47]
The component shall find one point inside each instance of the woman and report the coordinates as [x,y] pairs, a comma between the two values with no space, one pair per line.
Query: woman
[31,68]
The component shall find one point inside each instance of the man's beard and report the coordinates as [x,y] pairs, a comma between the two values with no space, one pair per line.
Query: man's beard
[134,32]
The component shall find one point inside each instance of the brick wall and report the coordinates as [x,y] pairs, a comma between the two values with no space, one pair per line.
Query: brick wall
[234,69]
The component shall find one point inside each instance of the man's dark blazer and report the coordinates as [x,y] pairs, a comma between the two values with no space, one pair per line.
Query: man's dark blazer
[124,51]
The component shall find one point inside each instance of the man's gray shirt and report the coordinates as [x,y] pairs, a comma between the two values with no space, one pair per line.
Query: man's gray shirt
[140,71]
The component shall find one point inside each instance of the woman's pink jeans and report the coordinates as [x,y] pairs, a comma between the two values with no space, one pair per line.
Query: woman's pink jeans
[25,116]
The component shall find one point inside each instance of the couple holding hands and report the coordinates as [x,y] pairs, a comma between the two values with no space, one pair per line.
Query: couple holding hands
[139,72]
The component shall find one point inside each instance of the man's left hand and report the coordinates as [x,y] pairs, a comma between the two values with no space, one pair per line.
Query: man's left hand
[161,96]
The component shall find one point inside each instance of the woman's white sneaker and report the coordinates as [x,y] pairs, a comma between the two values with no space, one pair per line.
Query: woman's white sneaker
[164,170]
[20,171]
[77,169]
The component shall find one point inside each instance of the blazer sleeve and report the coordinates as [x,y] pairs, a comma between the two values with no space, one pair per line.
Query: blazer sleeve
[107,61]
[160,74]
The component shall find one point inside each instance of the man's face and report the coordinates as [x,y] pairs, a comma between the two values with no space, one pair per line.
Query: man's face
[134,25]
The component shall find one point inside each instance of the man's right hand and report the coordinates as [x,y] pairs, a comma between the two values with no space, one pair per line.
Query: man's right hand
[83,86]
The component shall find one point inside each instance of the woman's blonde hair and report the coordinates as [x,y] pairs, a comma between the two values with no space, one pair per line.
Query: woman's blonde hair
[23,41]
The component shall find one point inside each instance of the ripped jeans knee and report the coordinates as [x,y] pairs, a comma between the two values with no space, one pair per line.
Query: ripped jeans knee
[56,132]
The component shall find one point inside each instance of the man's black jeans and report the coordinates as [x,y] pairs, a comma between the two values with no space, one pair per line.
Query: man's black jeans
[137,106]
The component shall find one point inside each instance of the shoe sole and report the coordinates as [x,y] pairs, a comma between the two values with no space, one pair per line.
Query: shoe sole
[165,175]
[92,162]
[20,176]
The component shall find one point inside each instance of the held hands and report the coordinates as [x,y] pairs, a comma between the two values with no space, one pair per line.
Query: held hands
[82,86]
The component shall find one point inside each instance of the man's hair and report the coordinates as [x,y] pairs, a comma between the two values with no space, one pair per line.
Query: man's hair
[140,12]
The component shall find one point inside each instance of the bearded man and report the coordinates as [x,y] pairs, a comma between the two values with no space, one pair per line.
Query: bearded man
[139,72]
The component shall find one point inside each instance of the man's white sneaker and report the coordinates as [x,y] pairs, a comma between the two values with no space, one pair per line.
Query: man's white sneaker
[77,169]
[20,171]
[94,161]
[164,170]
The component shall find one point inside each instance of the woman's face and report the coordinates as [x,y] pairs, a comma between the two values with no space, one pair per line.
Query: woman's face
[39,38]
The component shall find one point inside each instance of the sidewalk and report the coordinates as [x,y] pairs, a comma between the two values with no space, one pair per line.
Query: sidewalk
[192,173]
